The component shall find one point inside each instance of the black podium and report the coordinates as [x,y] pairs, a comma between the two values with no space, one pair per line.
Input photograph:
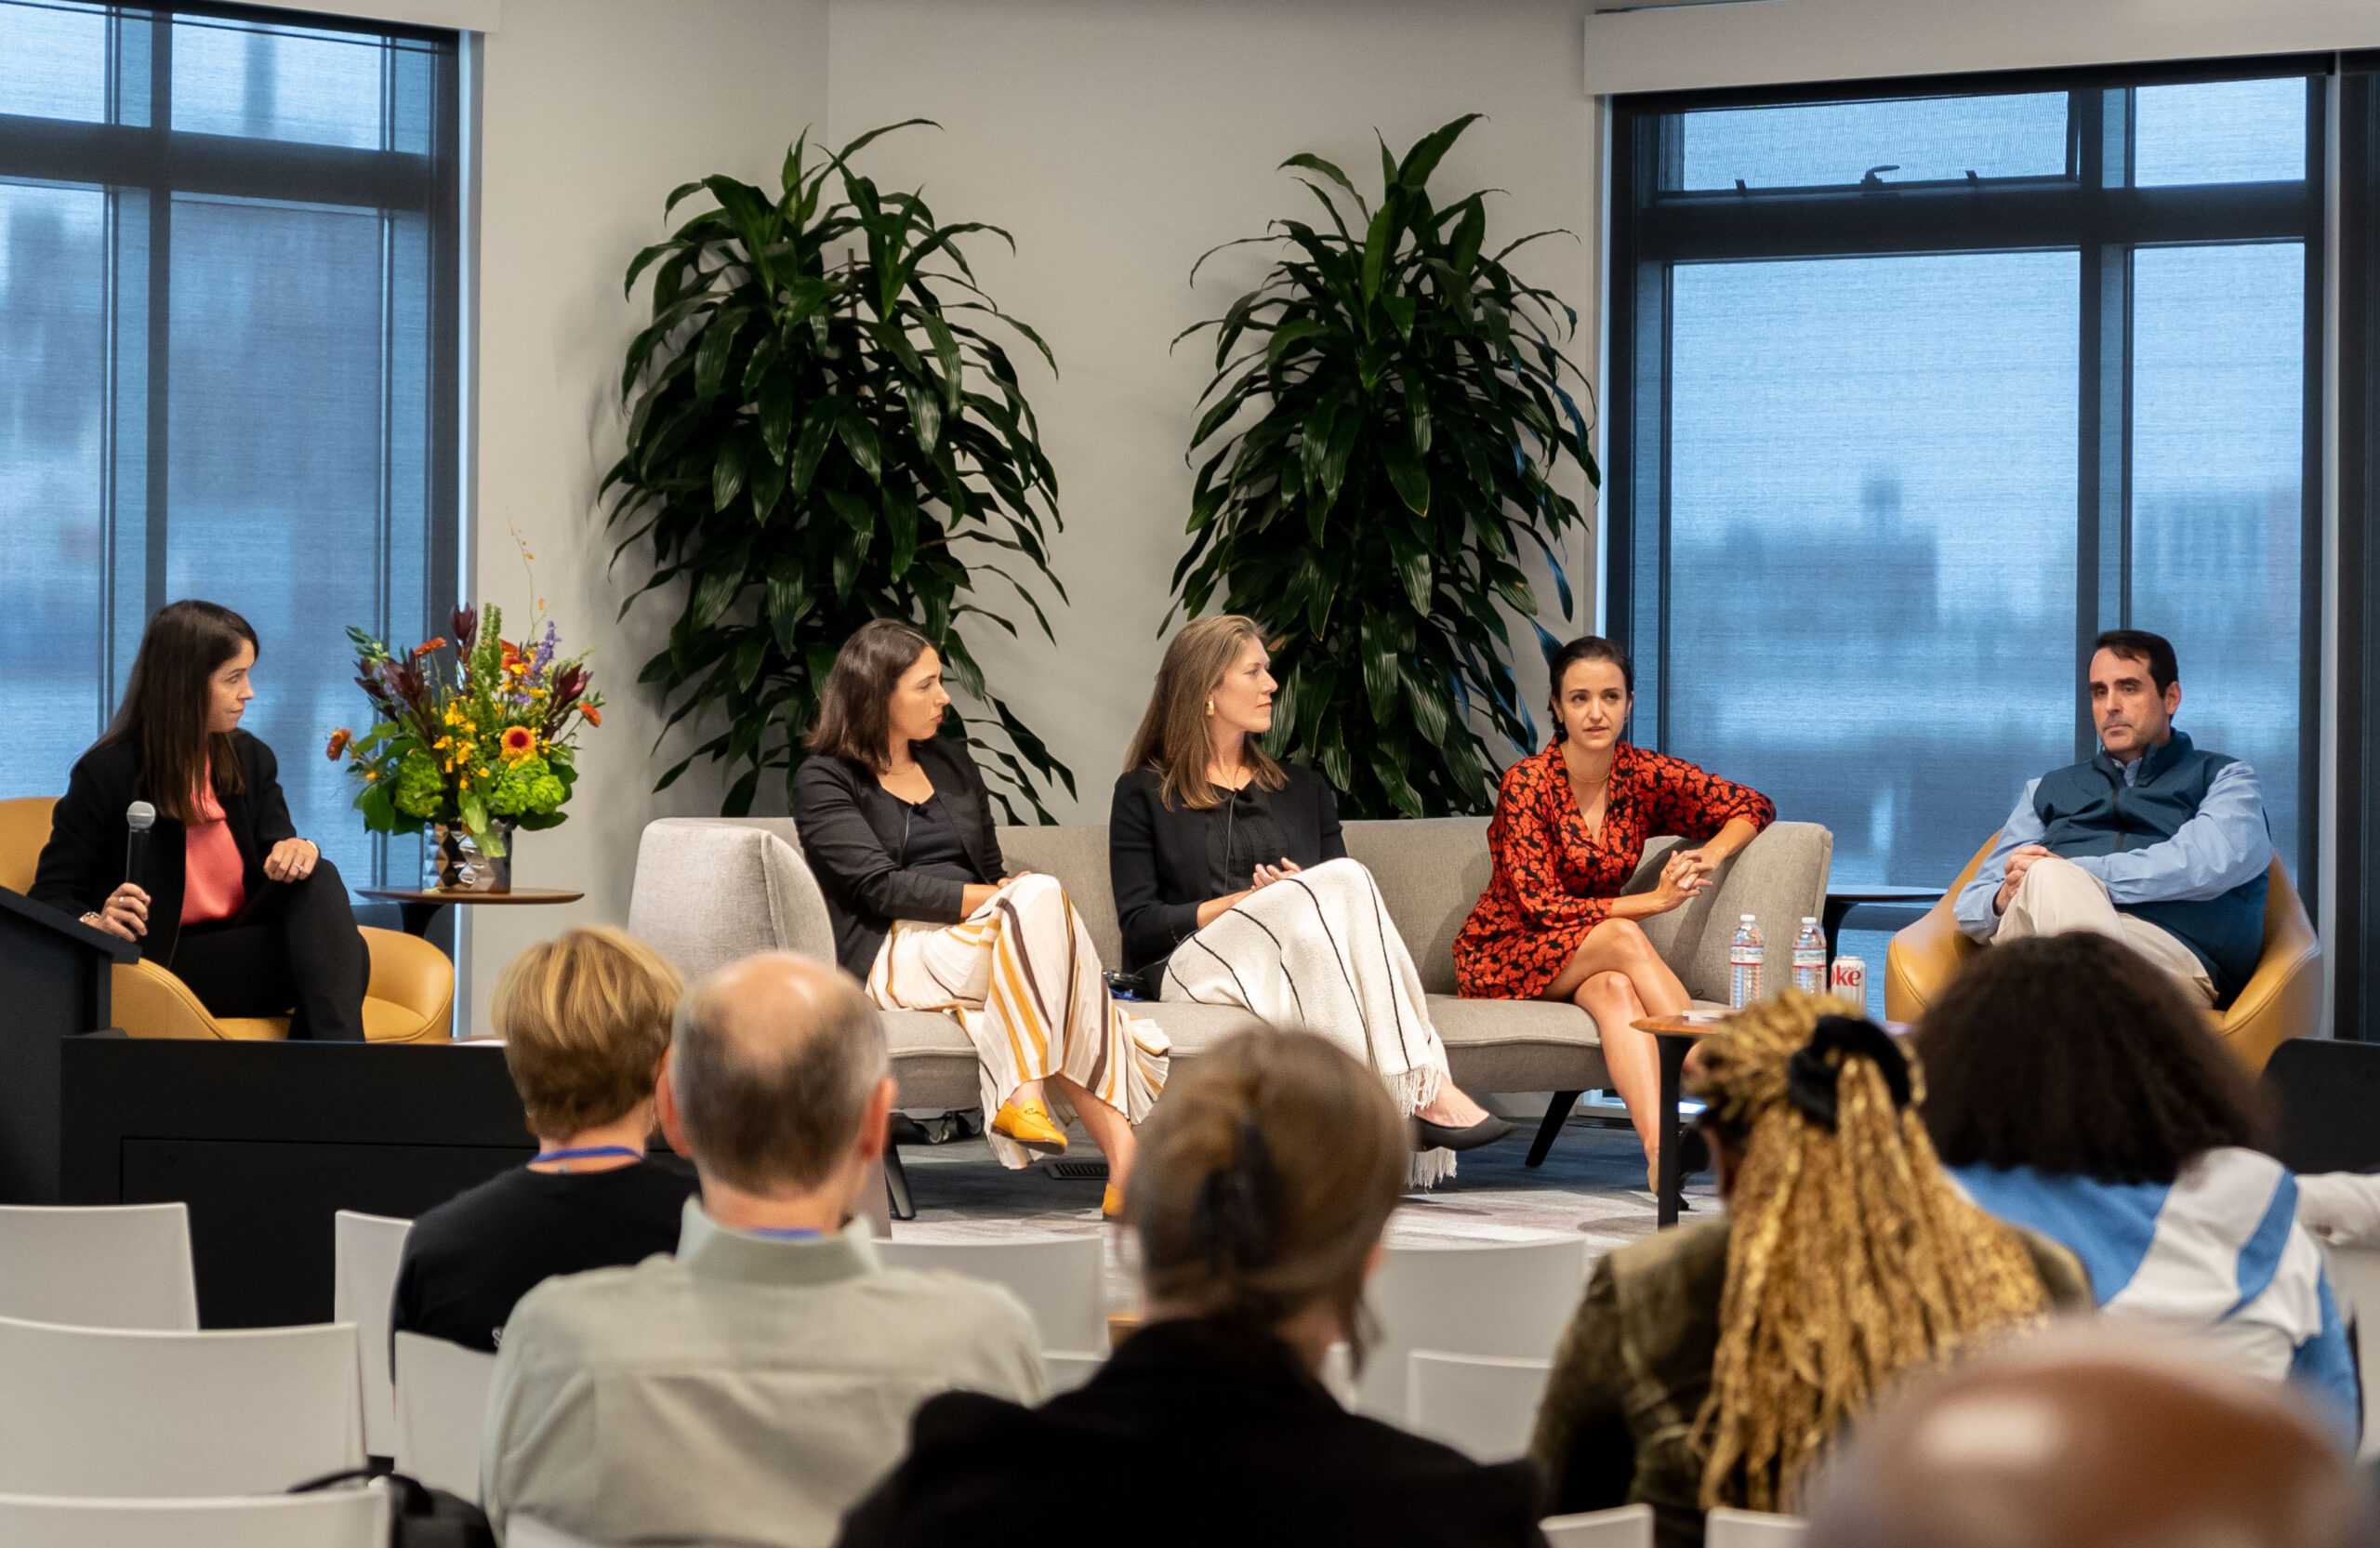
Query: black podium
[55,973]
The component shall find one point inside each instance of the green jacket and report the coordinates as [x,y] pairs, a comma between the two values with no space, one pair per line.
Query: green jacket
[1617,1426]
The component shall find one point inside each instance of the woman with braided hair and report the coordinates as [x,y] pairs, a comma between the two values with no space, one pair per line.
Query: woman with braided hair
[1265,1179]
[1711,1364]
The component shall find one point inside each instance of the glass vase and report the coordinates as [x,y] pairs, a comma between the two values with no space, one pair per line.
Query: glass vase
[453,862]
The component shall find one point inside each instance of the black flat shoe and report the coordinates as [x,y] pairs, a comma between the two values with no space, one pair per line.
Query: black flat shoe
[1437,1136]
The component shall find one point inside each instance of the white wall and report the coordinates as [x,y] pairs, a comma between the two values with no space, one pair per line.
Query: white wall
[1118,140]
[593,109]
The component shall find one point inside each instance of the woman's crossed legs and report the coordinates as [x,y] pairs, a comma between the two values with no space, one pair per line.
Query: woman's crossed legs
[1617,977]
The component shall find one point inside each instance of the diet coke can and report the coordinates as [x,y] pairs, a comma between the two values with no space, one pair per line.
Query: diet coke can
[1850,980]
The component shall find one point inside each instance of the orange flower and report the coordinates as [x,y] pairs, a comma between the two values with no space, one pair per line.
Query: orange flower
[594,716]
[339,739]
[519,742]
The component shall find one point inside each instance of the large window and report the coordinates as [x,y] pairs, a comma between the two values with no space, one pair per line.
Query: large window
[1913,394]
[226,364]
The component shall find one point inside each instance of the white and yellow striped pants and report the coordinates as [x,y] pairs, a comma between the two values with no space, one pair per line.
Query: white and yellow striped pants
[1022,976]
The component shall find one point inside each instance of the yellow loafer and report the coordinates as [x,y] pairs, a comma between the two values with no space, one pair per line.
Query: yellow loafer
[1111,1204]
[1028,1123]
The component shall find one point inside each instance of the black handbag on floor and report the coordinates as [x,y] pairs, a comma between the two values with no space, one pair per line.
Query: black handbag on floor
[420,1517]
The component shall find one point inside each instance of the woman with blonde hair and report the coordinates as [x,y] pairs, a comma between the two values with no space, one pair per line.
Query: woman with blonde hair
[1233,887]
[896,826]
[1711,1364]
[1266,1180]
[585,1021]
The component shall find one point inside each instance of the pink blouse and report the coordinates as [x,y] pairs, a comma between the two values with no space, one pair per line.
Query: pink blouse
[214,877]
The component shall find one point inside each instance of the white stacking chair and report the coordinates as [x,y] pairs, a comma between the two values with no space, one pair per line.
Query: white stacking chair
[527,1531]
[118,1265]
[1483,1406]
[1069,1371]
[1628,1527]
[368,1249]
[104,1412]
[1061,1280]
[1508,1299]
[333,1518]
[440,1407]
[1733,1528]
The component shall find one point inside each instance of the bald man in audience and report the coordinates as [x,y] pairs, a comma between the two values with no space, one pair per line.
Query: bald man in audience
[2089,1440]
[752,1387]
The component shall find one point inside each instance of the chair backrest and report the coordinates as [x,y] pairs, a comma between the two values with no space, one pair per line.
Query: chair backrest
[331,1519]
[711,890]
[1431,871]
[441,1410]
[1508,1299]
[1068,1371]
[2323,1093]
[116,1265]
[1733,1528]
[367,1251]
[1077,855]
[24,829]
[1061,1280]
[1483,1406]
[527,1531]
[103,1411]
[1628,1527]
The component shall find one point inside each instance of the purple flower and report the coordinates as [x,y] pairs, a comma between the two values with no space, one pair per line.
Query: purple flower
[544,654]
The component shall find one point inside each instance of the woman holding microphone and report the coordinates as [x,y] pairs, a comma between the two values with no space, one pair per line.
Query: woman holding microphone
[250,918]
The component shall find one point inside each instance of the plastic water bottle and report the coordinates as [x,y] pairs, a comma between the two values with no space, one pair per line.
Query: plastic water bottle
[1745,958]
[1809,957]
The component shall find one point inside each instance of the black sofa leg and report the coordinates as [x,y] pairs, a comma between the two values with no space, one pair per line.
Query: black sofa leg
[896,1185]
[1556,1115]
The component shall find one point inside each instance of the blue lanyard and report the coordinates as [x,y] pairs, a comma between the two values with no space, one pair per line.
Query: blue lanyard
[784,1233]
[588,1154]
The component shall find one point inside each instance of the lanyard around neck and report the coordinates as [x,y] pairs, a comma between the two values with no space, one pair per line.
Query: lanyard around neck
[587,1153]
[784,1233]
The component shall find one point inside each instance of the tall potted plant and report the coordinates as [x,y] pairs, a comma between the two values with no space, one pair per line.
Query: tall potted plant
[1408,414]
[820,435]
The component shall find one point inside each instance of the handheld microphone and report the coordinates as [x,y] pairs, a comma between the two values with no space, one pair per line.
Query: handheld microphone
[139,817]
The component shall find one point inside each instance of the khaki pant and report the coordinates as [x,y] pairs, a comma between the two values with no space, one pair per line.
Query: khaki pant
[2057,896]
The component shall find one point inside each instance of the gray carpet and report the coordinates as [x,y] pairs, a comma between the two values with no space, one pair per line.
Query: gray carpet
[1592,1183]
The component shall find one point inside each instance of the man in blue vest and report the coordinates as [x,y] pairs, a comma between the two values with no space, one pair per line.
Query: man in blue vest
[2156,842]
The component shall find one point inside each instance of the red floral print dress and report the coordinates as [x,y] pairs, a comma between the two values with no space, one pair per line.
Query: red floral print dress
[1554,880]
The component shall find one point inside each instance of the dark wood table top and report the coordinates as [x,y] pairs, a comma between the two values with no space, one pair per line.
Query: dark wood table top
[419,895]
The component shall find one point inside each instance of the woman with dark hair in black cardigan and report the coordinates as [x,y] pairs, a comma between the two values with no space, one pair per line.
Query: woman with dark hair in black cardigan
[897,827]
[246,914]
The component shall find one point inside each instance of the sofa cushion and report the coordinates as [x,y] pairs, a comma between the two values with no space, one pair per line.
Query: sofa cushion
[1779,879]
[710,889]
[1078,858]
[1431,871]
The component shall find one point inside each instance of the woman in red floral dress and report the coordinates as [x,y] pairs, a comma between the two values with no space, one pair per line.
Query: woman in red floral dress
[1569,831]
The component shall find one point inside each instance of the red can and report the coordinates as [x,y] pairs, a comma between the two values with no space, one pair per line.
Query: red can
[1850,980]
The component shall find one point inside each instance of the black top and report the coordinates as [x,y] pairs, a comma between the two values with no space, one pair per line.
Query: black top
[84,860]
[1191,1434]
[850,834]
[930,845]
[1166,862]
[470,1260]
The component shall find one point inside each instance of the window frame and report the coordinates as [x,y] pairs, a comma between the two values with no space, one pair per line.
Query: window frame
[1650,229]
[160,162]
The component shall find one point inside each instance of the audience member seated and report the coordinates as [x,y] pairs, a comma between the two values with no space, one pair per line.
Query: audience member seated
[585,1022]
[2075,1441]
[1710,1364]
[2077,1091]
[751,1388]
[1233,887]
[2152,842]
[896,824]
[1569,832]
[1266,1176]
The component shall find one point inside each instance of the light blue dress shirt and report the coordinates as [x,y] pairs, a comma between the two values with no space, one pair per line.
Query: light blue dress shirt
[2225,845]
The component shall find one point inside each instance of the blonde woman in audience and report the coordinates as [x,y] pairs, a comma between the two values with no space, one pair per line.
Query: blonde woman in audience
[1233,887]
[1711,1364]
[1265,1179]
[896,826]
[585,1020]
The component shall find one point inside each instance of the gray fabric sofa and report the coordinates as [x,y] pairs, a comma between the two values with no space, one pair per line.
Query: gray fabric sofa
[710,889]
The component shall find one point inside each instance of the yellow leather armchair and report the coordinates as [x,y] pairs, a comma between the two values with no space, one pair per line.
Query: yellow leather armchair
[409,999]
[2282,999]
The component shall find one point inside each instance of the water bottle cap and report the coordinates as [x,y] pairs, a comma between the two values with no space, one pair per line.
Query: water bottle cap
[1809,918]
[1748,919]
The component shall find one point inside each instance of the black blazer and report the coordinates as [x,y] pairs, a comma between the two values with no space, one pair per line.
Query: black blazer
[1158,859]
[84,860]
[850,832]
[1191,1434]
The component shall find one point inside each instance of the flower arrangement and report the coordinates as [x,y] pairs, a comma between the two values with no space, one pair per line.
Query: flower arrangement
[475,733]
